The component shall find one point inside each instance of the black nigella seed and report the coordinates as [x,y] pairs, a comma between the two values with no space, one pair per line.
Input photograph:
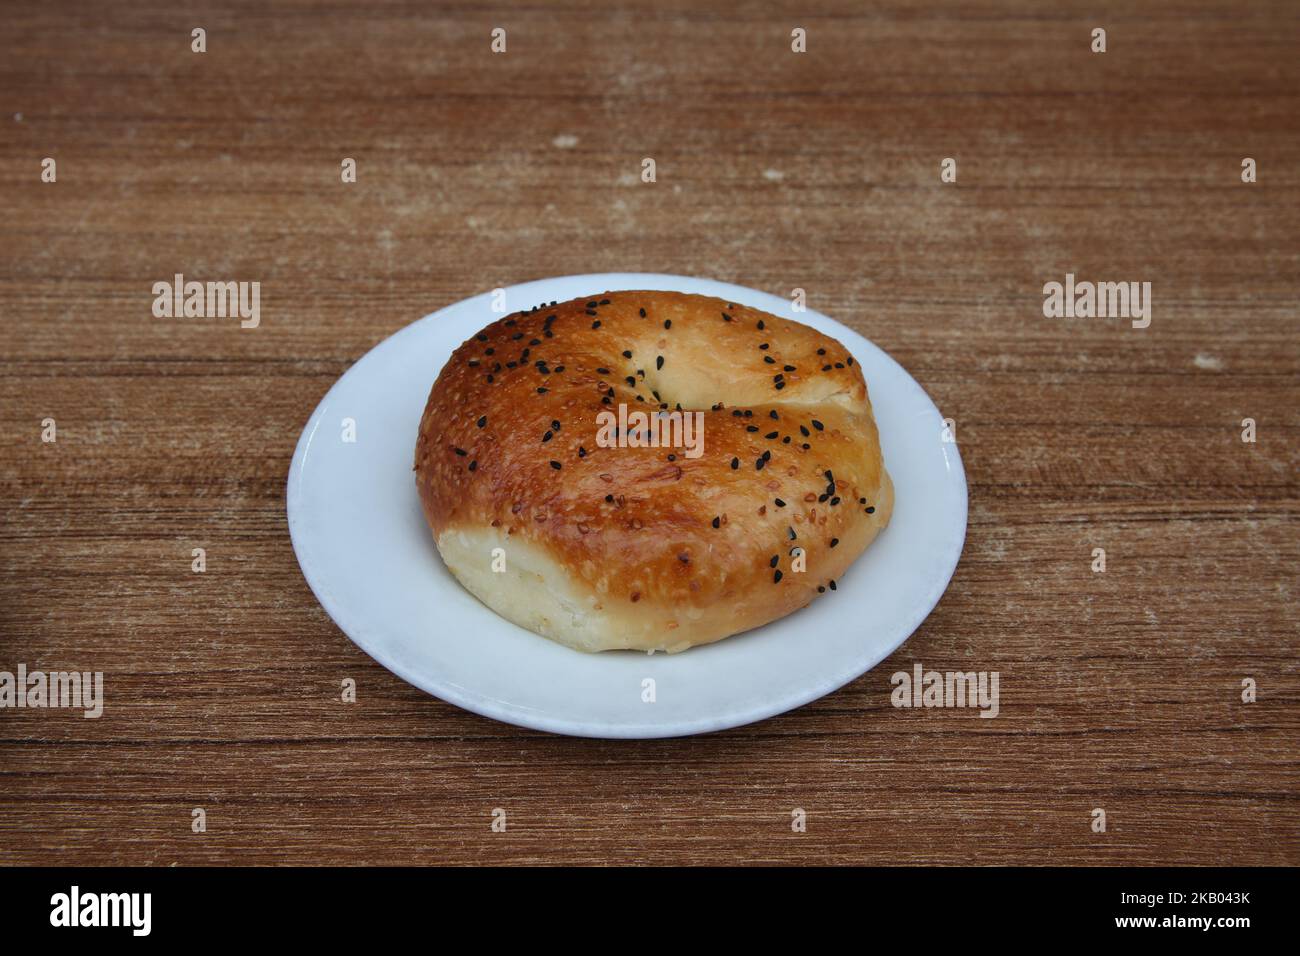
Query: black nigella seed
[582,452]
[770,435]
[826,368]
[769,360]
[592,304]
[473,465]
[774,415]
[760,324]
[559,369]
[596,324]
[749,413]
[794,536]
[820,589]
[549,335]
[736,413]
[849,360]
[871,511]
[780,385]
[542,391]
[778,376]
[726,317]
[473,363]
[839,364]
[547,437]
[804,429]
[767,455]
[805,446]
[460,451]
[659,362]
[490,379]
[751,428]
[758,465]
[828,475]
[602,371]
[672,457]
[778,502]
[775,559]
[627,353]
[604,301]
[482,421]
[555,423]
[832,585]
[643,313]
[834,542]
[668,323]
[789,368]
[834,501]
[631,380]
[821,351]
[555,465]
[776,576]
[489,351]
[512,364]
[822,497]
[735,463]
[785,440]
[534,341]
[862,501]
[481,337]
[763,347]
[609,499]
[818,425]
[717,521]
[517,336]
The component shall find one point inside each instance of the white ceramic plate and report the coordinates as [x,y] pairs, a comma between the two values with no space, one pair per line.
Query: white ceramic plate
[361,539]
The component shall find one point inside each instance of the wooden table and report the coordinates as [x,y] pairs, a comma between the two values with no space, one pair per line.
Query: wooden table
[1120,690]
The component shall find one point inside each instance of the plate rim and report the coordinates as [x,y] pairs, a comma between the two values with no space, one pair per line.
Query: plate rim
[494,709]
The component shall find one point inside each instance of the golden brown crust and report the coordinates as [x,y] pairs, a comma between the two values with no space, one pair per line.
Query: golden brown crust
[508,452]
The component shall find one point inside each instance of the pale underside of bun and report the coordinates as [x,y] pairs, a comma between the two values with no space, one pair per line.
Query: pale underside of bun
[648,548]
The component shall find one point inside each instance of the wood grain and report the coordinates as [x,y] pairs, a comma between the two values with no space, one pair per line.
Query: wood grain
[775,170]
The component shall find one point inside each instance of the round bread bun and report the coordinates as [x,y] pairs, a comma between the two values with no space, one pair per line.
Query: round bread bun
[607,545]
